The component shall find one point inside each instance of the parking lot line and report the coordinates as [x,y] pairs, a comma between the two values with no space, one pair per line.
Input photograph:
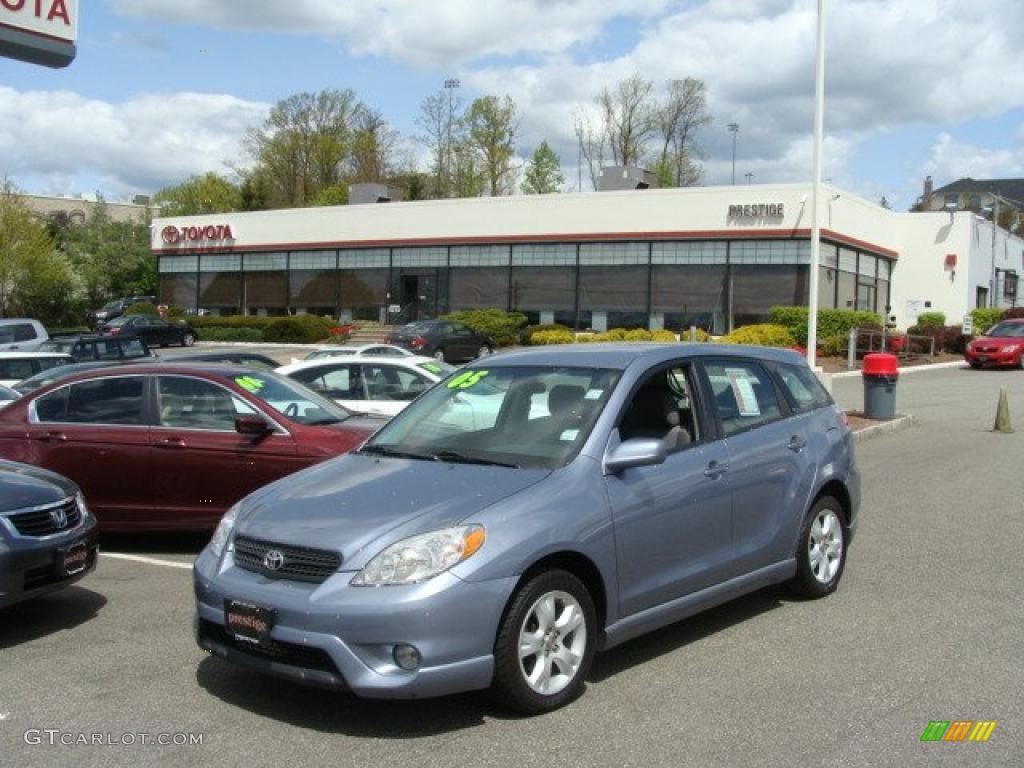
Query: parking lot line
[148,560]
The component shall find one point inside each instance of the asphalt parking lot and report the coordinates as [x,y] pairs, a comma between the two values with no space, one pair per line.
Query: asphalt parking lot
[927,625]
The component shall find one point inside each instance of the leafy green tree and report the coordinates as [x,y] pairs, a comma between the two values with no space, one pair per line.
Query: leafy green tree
[34,276]
[543,173]
[111,258]
[209,193]
[491,131]
[372,153]
[333,195]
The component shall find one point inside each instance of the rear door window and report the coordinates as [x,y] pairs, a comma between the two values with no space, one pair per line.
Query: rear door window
[743,393]
[25,332]
[15,370]
[100,401]
[188,403]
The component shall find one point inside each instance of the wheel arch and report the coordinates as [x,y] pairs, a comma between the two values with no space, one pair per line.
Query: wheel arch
[580,566]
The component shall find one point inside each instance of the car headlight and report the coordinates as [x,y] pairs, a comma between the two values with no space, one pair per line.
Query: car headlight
[82,506]
[421,557]
[223,532]
[1009,348]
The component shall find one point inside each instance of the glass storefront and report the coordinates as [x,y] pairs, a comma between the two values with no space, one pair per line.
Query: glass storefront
[715,284]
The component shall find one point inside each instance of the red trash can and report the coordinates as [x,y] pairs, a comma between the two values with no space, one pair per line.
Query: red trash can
[880,375]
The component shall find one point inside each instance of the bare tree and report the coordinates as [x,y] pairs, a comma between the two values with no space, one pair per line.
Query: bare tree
[683,113]
[443,130]
[593,144]
[374,142]
[628,117]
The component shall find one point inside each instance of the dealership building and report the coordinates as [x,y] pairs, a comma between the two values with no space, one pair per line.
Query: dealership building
[716,257]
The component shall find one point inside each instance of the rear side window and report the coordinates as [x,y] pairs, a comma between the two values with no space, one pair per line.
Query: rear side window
[744,395]
[15,370]
[802,387]
[133,347]
[188,403]
[25,332]
[101,401]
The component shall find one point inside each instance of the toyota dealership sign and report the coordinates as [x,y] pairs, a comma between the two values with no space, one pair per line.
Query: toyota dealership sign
[39,31]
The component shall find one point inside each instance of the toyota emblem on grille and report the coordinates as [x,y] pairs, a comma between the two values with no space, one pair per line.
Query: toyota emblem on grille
[59,518]
[273,560]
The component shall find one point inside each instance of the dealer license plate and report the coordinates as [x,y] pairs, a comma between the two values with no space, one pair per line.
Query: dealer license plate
[248,622]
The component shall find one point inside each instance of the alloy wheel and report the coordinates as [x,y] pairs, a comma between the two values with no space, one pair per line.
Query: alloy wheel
[825,546]
[552,643]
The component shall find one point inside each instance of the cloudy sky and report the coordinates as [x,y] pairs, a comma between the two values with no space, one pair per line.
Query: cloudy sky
[162,89]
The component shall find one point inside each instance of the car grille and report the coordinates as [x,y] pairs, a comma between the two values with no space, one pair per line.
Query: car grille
[272,650]
[300,563]
[46,520]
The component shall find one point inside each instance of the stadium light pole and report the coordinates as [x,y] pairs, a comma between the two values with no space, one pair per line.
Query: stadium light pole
[734,129]
[819,127]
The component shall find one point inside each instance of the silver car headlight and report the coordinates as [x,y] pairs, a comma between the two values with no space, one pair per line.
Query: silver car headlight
[82,506]
[223,532]
[421,557]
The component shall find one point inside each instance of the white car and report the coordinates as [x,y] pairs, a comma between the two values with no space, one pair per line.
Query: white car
[17,366]
[359,350]
[7,396]
[378,385]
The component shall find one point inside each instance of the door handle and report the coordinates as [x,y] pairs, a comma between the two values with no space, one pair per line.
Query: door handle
[715,470]
[796,443]
[172,442]
[58,437]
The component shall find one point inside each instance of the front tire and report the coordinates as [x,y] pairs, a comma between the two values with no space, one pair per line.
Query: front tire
[188,340]
[821,550]
[484,351]
[545,644]
[439,354]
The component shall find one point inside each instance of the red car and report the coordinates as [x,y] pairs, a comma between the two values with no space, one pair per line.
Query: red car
[1002,344]
[159,449]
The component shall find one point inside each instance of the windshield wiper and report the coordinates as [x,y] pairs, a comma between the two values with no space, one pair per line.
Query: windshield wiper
[384,450]
[458,458]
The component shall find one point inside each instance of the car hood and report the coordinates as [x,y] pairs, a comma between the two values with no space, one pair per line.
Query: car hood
[22,486]
[995,341]
[355,501]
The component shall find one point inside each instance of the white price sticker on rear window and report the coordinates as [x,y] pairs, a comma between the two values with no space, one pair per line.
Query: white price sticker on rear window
[593,394]
[743,391]
[569,435]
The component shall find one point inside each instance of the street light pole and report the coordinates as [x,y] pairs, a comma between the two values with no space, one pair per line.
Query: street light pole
[749,176]
[734,129]
[450,85]
[819,130]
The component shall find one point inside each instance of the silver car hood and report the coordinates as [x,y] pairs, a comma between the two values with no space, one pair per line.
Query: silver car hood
[355,501]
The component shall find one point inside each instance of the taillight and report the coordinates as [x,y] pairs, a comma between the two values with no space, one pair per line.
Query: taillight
[418,342]
[113,331]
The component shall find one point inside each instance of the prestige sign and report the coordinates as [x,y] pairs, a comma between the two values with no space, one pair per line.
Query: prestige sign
[39,31]
[209,233]
[757,211]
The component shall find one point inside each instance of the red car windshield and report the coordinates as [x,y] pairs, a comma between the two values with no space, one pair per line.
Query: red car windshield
[1006,331]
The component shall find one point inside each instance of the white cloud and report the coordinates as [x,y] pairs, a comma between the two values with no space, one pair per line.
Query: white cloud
[437,33]
[950,160]
[137,145]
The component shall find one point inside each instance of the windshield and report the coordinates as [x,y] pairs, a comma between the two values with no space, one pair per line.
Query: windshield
[535,416]
[291,399]
[1006,330]
[119,321]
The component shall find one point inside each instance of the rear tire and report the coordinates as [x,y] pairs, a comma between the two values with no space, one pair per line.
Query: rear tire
[188,340]
[439,354]
[545,644]
[821,550]
[484,351]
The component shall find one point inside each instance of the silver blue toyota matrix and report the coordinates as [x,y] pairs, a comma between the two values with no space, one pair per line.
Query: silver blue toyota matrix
[529,510]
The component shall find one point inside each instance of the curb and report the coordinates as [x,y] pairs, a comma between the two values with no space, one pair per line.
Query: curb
[901,422]
[908,369]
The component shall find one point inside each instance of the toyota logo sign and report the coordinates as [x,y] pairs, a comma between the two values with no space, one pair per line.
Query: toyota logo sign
[273,560]
[173,235]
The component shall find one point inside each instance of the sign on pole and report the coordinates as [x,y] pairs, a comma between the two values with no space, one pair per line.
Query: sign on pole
[39,31]
[968,328]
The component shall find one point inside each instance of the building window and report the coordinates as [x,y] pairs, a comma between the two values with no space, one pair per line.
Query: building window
[479,256]
[614,253]
[543,255]
[756,289]
[177,264]
[689,295]
[266,293]
[265,262]
[220,292]
[698,252]
[420,257]
[770,252]
[618,293]
[478,288]
[313,291]
[364,257]
[313,260]
[545,294]
[179,290]
[220,263]
[363,293]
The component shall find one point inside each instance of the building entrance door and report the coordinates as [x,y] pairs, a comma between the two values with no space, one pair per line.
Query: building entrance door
[418,296]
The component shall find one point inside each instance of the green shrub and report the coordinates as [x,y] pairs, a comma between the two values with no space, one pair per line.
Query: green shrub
[763,335]
[301,329]
[831,322]
[836,345]
[639,334]
[985,318]
[526,334]
[663,336]
[501,327]
[551,337]
[612,334]
[141,308]
[232,334]
[931,320]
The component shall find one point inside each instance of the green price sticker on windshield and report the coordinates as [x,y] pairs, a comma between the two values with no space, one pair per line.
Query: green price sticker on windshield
[467,379]
[432,368]
[250,383]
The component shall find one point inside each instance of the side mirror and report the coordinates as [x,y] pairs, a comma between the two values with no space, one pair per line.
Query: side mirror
[635,452]
[252,425]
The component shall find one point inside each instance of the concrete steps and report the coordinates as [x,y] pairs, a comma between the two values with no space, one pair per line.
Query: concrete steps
[371,333]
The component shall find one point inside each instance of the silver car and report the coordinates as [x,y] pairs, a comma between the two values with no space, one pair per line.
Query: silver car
[610,490]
